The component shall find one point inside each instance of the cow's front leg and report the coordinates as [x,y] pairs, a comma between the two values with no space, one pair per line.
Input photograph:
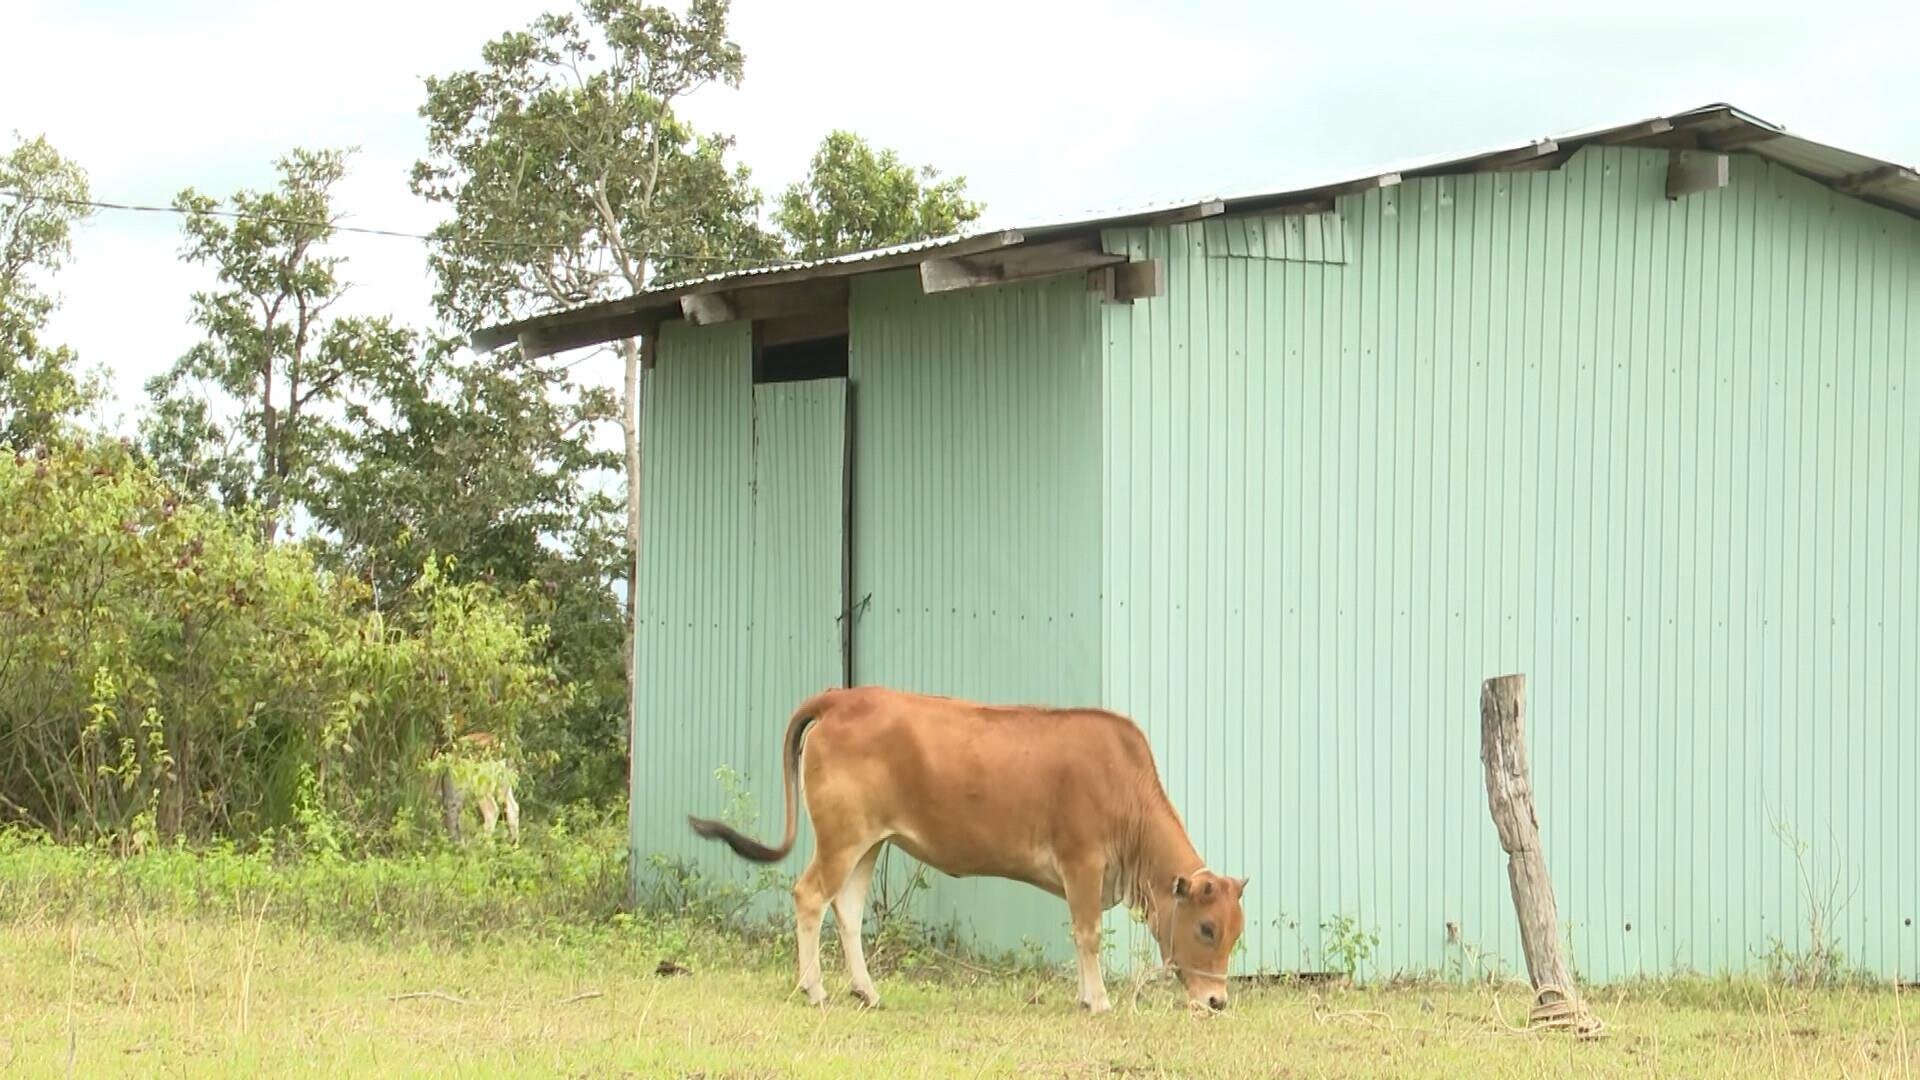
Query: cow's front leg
[1083,886]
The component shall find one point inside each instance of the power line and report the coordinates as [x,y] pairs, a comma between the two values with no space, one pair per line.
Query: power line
[329,226]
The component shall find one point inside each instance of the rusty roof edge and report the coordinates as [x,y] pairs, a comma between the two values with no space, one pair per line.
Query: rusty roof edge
[664,299]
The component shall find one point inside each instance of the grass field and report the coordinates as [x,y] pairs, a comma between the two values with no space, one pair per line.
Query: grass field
[519,962]
[184,996]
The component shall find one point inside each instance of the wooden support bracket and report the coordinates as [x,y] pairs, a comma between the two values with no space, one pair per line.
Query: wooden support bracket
[705,309]
[1124,283]
[959,272]
[1690,172]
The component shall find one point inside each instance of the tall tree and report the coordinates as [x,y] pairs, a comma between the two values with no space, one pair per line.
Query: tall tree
[481,463]
[42,196]
[856,197]
[571,178]
[485,470]
[245,414]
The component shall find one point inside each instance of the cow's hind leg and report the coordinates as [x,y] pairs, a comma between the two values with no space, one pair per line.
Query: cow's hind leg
[1083,888]
[848,909]
[513,813]
[818,884]
[489,812]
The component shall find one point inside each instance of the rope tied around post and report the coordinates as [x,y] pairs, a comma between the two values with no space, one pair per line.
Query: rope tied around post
[1554,1007]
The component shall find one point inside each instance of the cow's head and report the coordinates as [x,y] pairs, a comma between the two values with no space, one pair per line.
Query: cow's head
[1202,929]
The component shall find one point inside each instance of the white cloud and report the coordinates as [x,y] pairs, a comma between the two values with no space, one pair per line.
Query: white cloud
[1045,107]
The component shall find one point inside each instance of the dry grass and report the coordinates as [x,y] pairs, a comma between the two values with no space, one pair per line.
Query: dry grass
[151,995]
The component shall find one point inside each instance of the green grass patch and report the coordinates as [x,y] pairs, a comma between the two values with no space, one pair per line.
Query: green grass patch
[501,962]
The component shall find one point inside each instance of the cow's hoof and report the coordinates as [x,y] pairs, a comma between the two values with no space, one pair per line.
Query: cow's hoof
[869,999]
[1095,1008]
[816,996]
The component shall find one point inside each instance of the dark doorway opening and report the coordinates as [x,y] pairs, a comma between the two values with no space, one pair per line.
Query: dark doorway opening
[796,361]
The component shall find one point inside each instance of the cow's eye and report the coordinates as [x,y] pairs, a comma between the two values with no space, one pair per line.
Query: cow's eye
[1207,931]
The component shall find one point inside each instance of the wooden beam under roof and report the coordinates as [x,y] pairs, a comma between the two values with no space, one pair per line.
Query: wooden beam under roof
[1541,155]
[1362,186]
[1874,181]
[1022,263]
[543,341]
[1737,138]
[579,326]
[959,272]
[754,302]
[1183,214]
[821,322]
[1545,154]
[1646,129]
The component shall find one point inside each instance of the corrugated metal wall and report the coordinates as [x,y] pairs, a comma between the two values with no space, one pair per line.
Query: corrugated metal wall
[741,593]
[1663,457]
[794,647]
[977,518]
[695,600]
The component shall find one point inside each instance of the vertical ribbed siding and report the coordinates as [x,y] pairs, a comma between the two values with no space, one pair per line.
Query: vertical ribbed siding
[741,582]
[1664,457]
[695,601]
[977,518]
[799,438]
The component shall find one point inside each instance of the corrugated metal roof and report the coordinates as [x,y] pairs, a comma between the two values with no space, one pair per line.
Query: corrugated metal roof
[850,259]
[1717,127]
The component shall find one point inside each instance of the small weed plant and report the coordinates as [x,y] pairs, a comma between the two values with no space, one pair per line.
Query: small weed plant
[1347,944]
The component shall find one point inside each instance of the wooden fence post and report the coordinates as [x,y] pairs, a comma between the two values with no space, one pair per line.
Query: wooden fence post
[1503,751]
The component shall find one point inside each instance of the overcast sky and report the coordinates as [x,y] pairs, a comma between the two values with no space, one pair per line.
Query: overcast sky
[1046,107]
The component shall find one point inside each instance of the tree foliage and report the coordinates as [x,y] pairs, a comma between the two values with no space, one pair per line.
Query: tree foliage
[855,197]
[568,173]
[245,415]
[168,673]
[169,666]
[42,196]
[485,469]
[481,462]
[572,179]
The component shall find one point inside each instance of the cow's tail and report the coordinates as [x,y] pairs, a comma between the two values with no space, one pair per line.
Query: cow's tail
[745,846]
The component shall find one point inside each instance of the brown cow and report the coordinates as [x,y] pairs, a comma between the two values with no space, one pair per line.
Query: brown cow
[1068,800]
[491,792]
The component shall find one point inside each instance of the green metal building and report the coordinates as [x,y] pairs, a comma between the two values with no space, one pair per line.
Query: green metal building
[1284,476]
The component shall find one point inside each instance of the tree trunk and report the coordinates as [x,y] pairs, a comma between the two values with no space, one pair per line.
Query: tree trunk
[269,452]
[1503,752]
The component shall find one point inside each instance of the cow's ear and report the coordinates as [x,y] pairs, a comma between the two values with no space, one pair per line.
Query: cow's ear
[1181,886]
[1207,888]
[1240,886]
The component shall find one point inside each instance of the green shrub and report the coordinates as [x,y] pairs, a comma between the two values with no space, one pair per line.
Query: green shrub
[167,674]
[555,879]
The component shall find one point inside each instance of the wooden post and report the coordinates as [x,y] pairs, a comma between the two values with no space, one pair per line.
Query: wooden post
[1503,751]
